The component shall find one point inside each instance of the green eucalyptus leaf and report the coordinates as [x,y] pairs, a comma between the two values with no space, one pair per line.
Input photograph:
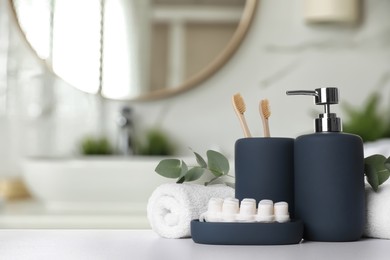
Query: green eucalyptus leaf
[215,180]
[376,171]
[180,180]
[217,163]
[384,175]
[194,174]
[169,168]
[372,177]
[184,169]
[202,163]
[387,163]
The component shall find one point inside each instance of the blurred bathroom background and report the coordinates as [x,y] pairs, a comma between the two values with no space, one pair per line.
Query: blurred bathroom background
[51,98]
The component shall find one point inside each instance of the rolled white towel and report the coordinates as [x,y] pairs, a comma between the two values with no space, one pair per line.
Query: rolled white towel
[378,212]
[171,207]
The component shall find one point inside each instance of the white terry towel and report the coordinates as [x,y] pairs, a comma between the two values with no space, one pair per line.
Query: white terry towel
[171,207]
[378,212]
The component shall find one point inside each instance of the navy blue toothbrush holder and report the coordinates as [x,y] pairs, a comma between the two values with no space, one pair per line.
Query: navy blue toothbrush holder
[264,169]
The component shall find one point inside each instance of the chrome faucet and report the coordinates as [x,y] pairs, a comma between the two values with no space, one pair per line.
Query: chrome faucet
[126,132]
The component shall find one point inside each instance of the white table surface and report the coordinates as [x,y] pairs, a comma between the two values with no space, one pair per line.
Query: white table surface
[145,244]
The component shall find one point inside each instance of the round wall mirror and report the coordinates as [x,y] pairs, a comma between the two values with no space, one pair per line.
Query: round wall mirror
[134,49]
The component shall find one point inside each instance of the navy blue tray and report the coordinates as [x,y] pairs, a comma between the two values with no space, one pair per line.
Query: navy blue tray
[222,233]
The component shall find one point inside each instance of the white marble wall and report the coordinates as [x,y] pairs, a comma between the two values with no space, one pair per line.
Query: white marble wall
[281,52]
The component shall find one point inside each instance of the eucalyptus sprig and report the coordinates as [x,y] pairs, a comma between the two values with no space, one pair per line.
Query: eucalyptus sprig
[217,164]
[377,170]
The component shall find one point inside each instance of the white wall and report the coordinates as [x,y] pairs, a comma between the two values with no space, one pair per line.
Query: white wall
[280,53]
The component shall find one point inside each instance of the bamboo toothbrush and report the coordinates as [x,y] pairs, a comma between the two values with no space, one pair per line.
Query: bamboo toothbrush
[239,107]
[265,113]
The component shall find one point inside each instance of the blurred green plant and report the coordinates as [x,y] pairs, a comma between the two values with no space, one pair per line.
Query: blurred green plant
[367,122]
[217,164]
[156,142]
[95,146]
[370,124]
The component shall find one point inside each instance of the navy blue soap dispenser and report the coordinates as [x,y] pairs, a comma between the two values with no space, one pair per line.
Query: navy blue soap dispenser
[329,176]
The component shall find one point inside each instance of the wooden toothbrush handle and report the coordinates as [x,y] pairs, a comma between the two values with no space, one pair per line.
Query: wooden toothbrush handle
[266,128]
[244,126]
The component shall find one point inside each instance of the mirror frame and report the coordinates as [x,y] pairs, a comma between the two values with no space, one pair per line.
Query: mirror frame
[191,82]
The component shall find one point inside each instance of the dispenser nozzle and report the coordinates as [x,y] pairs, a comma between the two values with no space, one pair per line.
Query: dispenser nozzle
[322,96]
[302,92]
[326,122]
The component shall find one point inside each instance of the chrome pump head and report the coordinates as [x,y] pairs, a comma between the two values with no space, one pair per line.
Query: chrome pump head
[327,121]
